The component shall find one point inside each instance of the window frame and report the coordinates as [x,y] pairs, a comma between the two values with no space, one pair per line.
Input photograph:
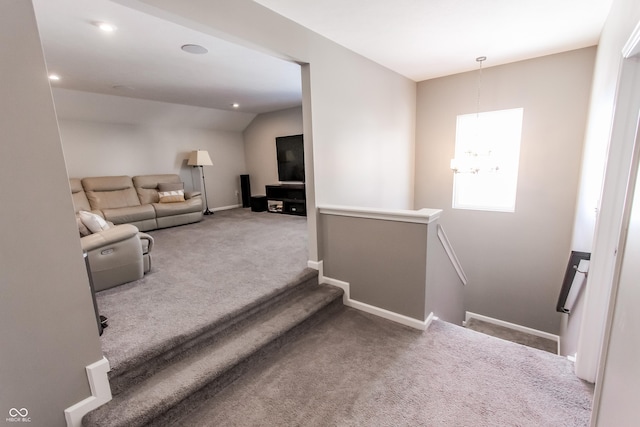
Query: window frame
[485,135]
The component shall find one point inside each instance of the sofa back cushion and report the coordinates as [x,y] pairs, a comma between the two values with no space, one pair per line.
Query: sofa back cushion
[80,201]
[147,186]
[110,192]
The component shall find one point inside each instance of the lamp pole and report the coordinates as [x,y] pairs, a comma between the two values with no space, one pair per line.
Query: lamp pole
[206,201]
[201,158]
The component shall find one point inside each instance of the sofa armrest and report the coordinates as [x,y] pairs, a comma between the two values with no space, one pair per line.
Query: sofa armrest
[109,236]
[191,194]
[148,238]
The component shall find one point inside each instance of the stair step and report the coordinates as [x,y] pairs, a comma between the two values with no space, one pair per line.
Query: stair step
[136,370]
[197,369]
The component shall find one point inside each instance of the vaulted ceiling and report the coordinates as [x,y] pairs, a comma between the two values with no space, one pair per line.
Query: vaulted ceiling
[420,39]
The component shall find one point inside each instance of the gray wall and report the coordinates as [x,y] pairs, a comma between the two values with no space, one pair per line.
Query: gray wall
[156,139]
[44,362]
[445,289]
[514,261]
[47,324]
[394,265]
[383,261]
[260,145]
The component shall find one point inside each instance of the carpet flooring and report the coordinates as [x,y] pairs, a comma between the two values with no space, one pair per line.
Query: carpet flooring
[201,273]
[354,369]
[350,369]
[513,335]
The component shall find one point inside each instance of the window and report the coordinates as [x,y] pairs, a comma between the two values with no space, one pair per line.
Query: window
[486,160]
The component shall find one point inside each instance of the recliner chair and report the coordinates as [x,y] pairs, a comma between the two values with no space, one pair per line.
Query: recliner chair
[116,255]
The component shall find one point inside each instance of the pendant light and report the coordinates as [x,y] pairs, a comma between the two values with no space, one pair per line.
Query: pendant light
[472,161]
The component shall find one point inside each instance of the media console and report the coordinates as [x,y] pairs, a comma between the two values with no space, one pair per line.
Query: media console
[287,198]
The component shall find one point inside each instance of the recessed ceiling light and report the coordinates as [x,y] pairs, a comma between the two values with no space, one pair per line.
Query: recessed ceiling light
[54,77]
[194,48]
[235,105]
[105,26]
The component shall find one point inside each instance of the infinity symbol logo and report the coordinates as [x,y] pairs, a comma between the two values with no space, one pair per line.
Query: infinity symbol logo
[13,412]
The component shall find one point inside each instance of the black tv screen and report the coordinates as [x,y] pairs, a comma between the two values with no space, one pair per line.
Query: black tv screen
[290,158]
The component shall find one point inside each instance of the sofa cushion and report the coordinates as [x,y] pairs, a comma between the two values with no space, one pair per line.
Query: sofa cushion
[171,196]
[170,186]
[80,202]
[93,222]
[147,186]
[110,192]
[169,209]
[130,214]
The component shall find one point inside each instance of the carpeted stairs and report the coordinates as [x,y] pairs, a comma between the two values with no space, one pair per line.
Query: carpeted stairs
[156,386]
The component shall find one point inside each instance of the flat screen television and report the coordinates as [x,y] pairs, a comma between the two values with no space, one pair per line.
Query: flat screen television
[290,151]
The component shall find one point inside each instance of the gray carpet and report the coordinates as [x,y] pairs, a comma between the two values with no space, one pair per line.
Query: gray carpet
[201,273]
[513,335]
[358,370]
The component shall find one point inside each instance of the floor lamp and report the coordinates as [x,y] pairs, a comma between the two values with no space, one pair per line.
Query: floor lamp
[201,158]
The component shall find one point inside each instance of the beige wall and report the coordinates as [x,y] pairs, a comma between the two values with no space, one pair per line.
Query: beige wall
[48,330]
[93,148]
[260,145]
[515,262]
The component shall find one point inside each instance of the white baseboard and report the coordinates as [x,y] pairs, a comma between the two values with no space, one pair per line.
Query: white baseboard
[100,393]
[377,311]
[346,297]
[390,315]
[469,315]
[226,208]
[316,265]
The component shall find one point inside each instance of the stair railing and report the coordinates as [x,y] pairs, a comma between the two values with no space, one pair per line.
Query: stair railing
[446,244]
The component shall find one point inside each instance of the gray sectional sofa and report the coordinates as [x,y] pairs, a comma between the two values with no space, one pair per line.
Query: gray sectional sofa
[126,200]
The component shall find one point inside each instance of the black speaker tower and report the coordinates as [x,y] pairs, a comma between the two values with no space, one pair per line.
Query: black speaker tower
[245,186]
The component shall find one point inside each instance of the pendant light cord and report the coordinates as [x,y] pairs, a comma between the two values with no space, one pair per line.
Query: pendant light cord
[479,59]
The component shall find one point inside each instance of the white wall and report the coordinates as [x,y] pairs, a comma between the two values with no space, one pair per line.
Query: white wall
[515,262]
[95,148]
[618,28]
[620,24]
[48,329]
[363,132]
[363,115]
[260,145]
[570,325]
[619,387]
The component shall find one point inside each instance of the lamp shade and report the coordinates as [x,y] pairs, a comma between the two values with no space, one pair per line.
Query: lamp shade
[199,158]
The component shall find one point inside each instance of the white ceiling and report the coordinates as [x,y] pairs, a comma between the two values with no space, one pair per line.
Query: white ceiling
[424,39]
[420,39]
[143,59]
